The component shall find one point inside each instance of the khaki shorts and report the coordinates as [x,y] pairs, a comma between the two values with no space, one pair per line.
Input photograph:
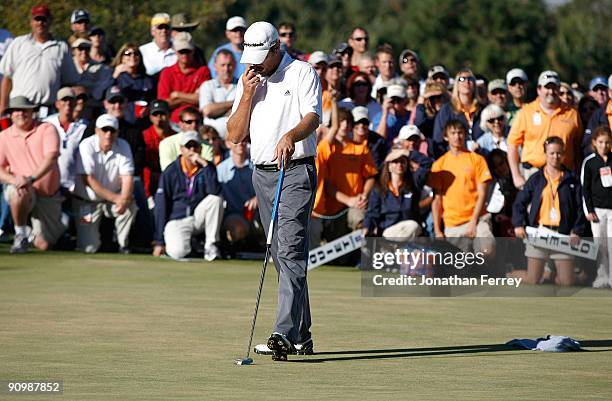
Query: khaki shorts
[45,213]
[542,253]
[484,240]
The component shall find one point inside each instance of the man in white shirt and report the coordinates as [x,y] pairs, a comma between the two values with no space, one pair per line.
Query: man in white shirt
[105,186]
[217,94]
[70,132]
[278,103]
[158,53]
[36,65]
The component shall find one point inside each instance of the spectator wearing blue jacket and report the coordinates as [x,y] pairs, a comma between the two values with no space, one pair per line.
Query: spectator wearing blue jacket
[555,195]
[394,114]
[601,116]
[464,107]
[234,32]
[393,205]
[187,203]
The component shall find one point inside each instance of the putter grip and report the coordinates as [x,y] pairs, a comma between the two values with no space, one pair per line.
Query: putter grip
[279,185]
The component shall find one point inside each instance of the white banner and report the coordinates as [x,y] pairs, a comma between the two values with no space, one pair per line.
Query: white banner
[333,250]
[542,237]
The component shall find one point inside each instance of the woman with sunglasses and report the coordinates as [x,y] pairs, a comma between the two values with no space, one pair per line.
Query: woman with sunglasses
[464,107]
[130,75]
[359,88]
[552,200]
[393,205]
[566,94]
[493,124]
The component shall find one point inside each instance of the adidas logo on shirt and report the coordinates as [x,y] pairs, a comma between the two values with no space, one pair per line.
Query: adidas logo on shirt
[287,93]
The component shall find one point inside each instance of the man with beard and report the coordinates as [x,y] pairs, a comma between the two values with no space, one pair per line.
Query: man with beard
[546,116]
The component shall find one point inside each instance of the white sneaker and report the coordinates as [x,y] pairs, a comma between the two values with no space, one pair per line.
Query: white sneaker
[601,282]
[211,253]
[20,244]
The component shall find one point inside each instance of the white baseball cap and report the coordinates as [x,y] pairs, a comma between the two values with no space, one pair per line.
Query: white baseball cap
[408,131]
[235,22]
[317,57]
[258,40]
[189,136]
[106,120]
[548,77]
[396,91]
[515,73]
[360,113]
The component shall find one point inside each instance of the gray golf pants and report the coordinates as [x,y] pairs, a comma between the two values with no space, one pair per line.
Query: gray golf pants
[289,243]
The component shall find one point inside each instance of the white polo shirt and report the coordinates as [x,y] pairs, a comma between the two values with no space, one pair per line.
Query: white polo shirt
[155,59]
[212,91]
[37,70]
[280,102]
[107,168]
[69,145]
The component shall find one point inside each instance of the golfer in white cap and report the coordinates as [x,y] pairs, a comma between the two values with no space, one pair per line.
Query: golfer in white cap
[278,104]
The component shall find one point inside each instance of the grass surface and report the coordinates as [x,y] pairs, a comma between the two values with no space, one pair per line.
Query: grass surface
[139,328]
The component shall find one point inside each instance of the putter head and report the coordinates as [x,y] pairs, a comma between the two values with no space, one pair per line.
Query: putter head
[245,361]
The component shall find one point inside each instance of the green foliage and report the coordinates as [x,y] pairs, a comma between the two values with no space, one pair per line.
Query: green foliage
[488,36]
[580,48]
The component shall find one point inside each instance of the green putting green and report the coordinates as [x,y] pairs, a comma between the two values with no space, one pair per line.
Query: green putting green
[139,328]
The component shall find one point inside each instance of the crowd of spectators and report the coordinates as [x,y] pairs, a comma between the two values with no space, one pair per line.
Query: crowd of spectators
[127,148]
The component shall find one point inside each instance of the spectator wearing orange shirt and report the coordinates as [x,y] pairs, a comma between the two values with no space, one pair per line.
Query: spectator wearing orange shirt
[346,175]
[535,122]
[179,84]
[460,179]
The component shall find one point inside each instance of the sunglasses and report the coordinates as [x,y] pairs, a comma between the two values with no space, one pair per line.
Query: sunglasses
[515,82]
[189,122]
[362,39]
[83,49]
[41,19]
[498,92]
[599,88]
[115,101]
[163,27]
[158,114]
[128,53]
[563,93]
[286,34]
[82,97]
[108,129]
[464,79]
[408,60]
[435,98]
[499,119]
[185,51]
[238,30]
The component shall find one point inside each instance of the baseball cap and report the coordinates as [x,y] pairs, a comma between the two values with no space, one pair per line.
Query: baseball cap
[96,30]
[180,21]
[360,113]
[189,136]
[183,41]
[160,19]
[258,39]
[236,22]
[318,57]
[548,77]
[106,120]
[78,15]
[407,52]
[597,81]
[396,91]
[515,73]
[159,105]
[408,131]
[437,69]
[497,84]
[342,48]
[113,92]
[41,10]
[66,92]
[333,59]
[396,154]
[81,42]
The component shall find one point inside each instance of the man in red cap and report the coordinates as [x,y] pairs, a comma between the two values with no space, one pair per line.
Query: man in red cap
[36,65]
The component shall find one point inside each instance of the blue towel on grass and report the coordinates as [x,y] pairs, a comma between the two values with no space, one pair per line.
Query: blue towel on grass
[548,344]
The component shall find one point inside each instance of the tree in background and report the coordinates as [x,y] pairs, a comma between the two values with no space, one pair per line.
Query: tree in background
[581,46]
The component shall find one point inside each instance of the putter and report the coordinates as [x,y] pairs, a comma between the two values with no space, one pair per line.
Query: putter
[279,185]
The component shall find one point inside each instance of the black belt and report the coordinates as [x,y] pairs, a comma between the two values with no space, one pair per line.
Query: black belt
[554,228]
[292,163]
[527,165]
